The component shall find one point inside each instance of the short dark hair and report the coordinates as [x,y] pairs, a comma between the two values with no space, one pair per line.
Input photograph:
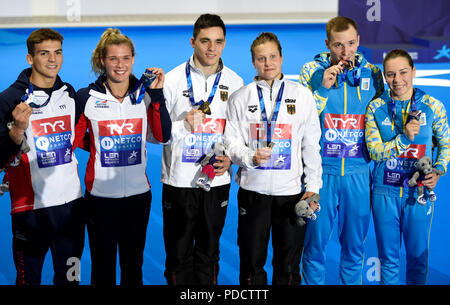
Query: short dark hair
[339,24]
[39,36]
[208,21]
[263,38]
[398,53]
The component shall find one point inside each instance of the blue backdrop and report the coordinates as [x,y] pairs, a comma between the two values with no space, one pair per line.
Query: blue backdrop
[167,47]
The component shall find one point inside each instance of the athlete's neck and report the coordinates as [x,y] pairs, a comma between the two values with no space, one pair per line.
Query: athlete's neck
[404,97]
[42,82]
[206,70]
[118,89]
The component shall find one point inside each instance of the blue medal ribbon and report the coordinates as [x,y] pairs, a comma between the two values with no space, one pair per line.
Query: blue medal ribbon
[191,89]
[275,112]
[353,76]
[146,80]
[413,108]
[32,104]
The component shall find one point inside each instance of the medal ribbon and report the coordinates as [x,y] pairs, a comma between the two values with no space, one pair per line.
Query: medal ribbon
[145,80]
[411,105]
[191,90]
[355,73]
[32,104]
[275,112]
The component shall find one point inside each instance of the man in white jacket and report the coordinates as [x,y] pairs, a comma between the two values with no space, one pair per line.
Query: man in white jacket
[273,134]
[196,95]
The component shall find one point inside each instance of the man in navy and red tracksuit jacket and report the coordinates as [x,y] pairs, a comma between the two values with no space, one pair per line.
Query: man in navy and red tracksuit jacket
[37,123]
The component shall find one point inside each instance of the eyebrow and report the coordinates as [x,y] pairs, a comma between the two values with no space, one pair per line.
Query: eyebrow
[45,50]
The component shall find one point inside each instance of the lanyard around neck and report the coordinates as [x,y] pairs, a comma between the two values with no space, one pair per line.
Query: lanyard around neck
[355,74]
[146,79]
[275,112]
[30,96]
[191,89]
[412,105]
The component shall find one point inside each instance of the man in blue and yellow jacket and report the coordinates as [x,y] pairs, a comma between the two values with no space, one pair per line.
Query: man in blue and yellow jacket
[343,83]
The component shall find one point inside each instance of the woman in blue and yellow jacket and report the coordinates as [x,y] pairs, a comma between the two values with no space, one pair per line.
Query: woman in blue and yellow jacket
[395,140]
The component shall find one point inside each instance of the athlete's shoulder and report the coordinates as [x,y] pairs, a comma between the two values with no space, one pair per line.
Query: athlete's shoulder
[242,92]
[378,102]
[232,74]
[176,72]
[436,105]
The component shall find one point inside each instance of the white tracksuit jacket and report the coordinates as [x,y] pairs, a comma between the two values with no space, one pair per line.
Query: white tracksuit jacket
[118,131]
[296,137]
[178,165]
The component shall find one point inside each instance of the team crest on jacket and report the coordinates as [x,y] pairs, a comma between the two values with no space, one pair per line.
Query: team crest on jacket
[224,96]
[290,108]
[186,93]
[365,84]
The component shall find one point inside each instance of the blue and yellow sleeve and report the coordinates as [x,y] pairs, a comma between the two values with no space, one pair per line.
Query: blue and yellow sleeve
[440,132]
[379,150]
[320,94]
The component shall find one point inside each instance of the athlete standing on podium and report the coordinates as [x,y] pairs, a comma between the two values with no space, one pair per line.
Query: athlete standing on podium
[197,94]
[343,83]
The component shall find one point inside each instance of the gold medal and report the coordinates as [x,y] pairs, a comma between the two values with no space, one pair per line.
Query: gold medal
[205,108]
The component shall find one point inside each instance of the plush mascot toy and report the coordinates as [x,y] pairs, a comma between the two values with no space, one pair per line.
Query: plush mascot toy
[424,167]
[206,161]
[303,209]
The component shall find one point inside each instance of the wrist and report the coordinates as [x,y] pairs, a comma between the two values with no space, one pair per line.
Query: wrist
[15,133]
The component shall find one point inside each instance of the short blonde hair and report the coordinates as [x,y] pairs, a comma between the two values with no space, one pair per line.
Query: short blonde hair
[111,36]
[339,24]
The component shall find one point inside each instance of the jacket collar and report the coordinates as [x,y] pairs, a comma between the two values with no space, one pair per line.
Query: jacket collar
[196,69]
[262,83]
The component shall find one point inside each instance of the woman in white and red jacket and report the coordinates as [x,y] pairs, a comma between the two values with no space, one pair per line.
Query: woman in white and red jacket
[117,109]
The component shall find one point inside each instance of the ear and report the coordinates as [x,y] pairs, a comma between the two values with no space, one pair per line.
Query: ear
[414,72]
[193,42]
[29,59]
[327,43]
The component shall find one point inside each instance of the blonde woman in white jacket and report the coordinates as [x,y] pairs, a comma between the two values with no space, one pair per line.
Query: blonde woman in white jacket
[279,164]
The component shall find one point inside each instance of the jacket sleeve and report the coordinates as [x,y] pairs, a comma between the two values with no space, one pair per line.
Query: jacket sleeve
[312,161]
[158,117]
[379,150]
[440,132]
[321,93]
[9,149]
[82,139]
[378,81]
[236,139]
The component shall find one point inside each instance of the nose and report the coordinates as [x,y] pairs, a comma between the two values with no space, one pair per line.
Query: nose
[211,46]
[120,61]
[51,57]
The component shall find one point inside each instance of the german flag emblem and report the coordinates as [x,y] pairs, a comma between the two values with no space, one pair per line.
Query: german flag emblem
[224,96]
[290,108]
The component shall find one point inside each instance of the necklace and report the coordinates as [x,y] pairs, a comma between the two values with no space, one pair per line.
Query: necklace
[116,96]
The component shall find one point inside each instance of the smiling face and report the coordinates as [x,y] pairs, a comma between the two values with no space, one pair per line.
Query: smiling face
[208,47]
[267,61]
[118,62]
[399,76]
[45,62]
[343,45]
